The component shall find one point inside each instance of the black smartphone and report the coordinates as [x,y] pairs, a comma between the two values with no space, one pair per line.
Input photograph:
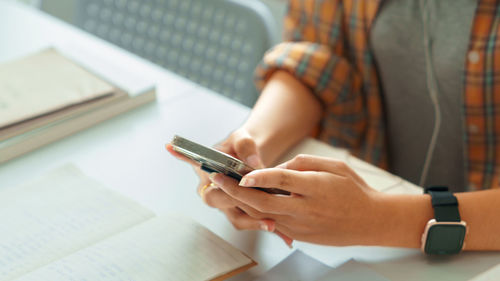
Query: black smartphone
[212,160]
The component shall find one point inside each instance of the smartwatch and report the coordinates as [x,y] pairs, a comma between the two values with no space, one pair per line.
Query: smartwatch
[445,234]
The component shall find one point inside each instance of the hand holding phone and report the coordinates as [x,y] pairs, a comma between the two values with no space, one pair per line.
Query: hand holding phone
[212,160]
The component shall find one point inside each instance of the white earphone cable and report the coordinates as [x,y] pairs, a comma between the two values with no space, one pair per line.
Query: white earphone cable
[432,88]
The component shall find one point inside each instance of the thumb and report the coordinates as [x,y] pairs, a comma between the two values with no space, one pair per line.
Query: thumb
[246,150]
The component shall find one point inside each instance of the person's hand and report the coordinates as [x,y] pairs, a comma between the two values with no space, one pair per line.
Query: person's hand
[330,204]
[239,145]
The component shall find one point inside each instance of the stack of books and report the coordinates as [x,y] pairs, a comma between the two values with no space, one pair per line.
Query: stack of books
[47,96]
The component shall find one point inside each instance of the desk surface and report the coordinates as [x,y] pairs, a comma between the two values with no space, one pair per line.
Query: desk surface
[127,153]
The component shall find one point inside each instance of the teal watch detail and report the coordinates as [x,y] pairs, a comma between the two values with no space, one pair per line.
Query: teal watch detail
[445,234]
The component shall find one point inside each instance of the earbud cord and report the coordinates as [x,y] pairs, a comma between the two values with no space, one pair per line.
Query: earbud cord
[432,88]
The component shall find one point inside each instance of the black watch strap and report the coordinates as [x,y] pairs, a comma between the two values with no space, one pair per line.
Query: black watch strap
[445,204]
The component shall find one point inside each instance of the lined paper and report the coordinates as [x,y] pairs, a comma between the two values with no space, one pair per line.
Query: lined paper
[52,217]
[163,248]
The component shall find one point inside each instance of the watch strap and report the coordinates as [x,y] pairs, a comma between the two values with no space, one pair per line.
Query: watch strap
[445,204]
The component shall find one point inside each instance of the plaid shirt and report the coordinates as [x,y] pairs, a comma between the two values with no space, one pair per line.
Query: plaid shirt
[327,48]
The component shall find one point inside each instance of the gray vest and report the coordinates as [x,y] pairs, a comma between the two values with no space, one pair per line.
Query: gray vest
[397,42]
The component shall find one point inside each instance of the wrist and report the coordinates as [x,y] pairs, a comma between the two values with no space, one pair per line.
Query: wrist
[270,144]
[400,219]
[286,112]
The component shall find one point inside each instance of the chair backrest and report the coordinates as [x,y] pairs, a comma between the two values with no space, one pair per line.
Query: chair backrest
[216,43]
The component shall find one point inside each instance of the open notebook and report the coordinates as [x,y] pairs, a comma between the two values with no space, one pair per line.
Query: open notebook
[66,226]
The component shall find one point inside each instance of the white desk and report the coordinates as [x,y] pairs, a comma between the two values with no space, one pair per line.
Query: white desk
[127,153]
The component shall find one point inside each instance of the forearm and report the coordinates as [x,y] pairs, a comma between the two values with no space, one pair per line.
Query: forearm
[402,218]
[481,211]
[285,113]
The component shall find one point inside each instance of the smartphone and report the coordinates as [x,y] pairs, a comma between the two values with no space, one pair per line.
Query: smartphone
[214,161]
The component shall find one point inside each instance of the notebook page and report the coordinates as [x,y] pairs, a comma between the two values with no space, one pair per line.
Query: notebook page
[163,248]
[56,215]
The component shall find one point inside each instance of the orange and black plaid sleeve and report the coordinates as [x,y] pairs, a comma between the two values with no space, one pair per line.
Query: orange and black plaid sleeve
[326,49]
[313,49]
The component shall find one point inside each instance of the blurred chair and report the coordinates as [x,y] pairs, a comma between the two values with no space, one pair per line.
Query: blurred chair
[216,43]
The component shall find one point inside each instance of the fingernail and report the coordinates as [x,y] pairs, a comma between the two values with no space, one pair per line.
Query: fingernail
[246,181]
[271,226]
[288,242]
[215,179]
[264,226]
[253,161]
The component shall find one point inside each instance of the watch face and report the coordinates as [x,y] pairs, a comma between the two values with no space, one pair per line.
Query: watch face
[445,239]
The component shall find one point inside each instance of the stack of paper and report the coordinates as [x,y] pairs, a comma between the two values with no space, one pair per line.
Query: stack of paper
[466,267]
[46,96]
